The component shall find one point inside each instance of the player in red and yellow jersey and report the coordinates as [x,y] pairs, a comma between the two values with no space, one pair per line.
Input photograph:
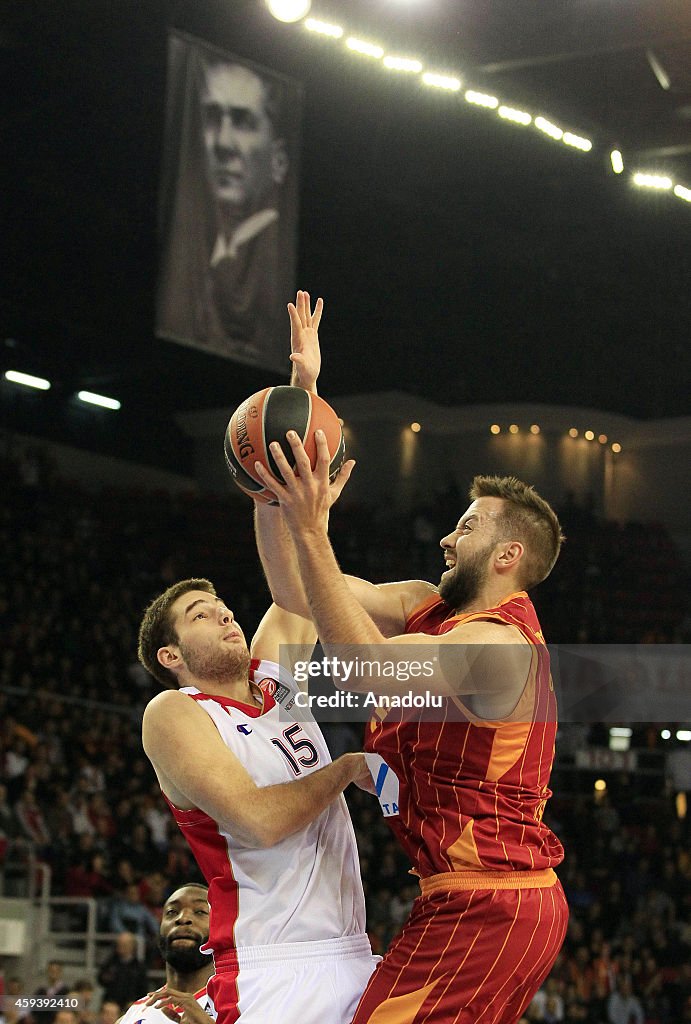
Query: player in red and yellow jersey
[471,784]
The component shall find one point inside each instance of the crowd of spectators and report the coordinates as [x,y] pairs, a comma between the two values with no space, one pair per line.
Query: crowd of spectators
[76,569]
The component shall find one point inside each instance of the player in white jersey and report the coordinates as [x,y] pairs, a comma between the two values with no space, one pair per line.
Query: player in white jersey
[184,927]
[260,802]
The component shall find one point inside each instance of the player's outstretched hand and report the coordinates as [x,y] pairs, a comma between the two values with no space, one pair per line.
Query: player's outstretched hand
[308,493]
[180,1007]
[304,341]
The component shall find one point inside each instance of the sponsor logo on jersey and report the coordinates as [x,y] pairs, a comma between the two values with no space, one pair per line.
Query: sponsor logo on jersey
[386,784]
[274,689]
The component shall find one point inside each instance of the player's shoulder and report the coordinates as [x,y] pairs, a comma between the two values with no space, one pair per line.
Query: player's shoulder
[168,702]
[486,631]
[414,593]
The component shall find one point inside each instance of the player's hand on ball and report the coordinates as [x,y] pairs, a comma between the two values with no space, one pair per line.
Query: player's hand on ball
[308,494]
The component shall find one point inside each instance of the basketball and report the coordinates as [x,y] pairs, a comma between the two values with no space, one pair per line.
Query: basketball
[266,416]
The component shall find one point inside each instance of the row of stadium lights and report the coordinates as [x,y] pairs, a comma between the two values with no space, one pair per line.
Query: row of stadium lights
[27,380]
[104,402]
[534,429]
[522,118]
[620,736]
[620,739]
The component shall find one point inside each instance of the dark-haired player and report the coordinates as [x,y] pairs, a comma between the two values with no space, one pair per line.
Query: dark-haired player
[184,928]
[255,793]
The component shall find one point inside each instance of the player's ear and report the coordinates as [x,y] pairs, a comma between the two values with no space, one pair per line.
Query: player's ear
[510,555]
[169,657]
[279,161]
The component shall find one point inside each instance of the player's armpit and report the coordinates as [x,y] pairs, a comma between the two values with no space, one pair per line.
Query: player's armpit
[284,638]
[390,604]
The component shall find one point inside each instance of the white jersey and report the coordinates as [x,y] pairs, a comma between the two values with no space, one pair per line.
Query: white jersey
[139,1013]
[307,887]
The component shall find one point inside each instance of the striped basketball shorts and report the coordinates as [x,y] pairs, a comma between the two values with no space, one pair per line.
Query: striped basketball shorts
[469,955]
[292,982]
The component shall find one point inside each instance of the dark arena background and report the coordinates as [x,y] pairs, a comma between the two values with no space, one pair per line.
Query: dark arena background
[502,295]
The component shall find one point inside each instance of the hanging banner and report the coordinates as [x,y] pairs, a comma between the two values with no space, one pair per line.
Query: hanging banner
[228,205]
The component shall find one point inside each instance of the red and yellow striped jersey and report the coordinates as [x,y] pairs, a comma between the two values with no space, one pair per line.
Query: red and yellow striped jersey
[473,791]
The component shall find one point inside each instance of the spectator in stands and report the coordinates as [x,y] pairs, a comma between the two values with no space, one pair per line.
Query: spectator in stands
[83,990]
[623,1007]
[109,1012]
[31,820]
[66,1017]
[54,986]
[128,914]
[123,976]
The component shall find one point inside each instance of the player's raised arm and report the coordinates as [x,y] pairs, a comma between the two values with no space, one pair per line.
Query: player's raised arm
[305,354]
[389,604]
[274,543]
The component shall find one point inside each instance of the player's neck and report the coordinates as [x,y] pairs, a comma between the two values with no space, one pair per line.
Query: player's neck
[489,596]
[189,982]
[239,689]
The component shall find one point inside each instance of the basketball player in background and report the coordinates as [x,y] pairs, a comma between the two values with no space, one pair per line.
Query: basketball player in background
[183,997]
[260,803]
[472,785]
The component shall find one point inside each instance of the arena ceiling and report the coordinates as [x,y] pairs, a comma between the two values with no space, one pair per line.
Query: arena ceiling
[460,259]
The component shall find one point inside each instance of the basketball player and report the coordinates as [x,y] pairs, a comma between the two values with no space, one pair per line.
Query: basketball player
[256,795]
[473,785]
[184,927]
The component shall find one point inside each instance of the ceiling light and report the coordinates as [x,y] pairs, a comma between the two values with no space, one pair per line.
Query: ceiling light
[617,161]
[415,427]
[402,64]
[682,193]
[548,128]
[28,380]
[324,28]
[441,81]
[589,435]
[365,48]
[513,429]
[652,181]
[577,141]
[289,10]
[616,447]
[573,432]
[495,429]
[534,429]
[517,116]
[481,99]
[102,400]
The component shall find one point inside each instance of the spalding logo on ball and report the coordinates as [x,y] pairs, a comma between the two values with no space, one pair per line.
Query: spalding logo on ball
[267,416]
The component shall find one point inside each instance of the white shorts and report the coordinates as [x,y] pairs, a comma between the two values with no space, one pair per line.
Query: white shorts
[292,983]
